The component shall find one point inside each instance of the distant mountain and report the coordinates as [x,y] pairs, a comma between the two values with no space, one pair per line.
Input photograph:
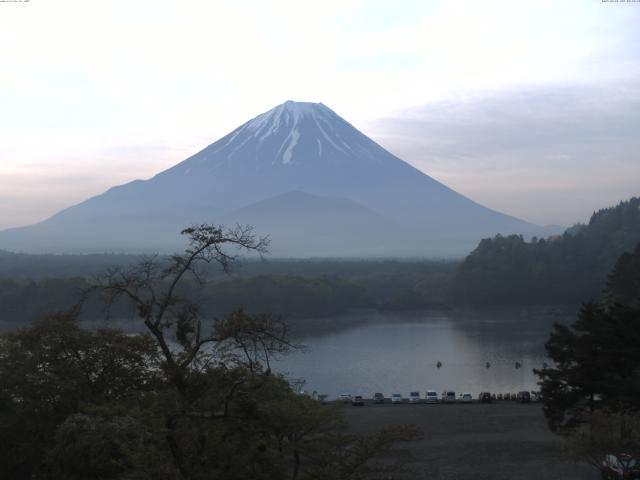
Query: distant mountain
[311,225]
[323,186]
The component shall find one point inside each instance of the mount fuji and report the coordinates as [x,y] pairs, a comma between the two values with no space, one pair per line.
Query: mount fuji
[301,174]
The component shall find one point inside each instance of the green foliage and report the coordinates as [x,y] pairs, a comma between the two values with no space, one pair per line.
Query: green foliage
[566,269]
[190,400]
[53,370]
[87,447]
[624,282]
[597,359]
[290,295]
[78,404]
[291,289]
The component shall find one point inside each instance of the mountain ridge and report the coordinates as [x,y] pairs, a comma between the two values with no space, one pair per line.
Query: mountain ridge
[296,146]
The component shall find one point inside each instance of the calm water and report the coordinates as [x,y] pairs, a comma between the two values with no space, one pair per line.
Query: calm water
[399,352]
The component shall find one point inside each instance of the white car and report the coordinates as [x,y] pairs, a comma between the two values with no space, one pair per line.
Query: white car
[431,397]
[396,398]
[466,398]
[414,397]
[345,398]
[622,467]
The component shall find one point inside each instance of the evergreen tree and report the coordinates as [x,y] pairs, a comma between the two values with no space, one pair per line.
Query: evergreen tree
[597,359]
[566,269]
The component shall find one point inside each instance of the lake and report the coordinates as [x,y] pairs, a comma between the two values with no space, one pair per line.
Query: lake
[398,352]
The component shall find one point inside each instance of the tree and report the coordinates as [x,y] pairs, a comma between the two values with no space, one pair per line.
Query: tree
[564,269]
[54,368]
[605,435]
[591,392]
[225,415]
[190,399]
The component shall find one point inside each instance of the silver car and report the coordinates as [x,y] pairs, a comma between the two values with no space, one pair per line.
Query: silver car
[466,398]
[431,397]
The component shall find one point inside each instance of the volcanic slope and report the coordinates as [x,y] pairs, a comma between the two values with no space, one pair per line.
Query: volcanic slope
[321,187]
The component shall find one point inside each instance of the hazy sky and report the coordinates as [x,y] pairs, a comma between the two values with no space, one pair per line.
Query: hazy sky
[529,107]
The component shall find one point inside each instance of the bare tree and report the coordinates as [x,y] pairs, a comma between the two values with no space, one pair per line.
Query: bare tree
[154,288]
[218,377]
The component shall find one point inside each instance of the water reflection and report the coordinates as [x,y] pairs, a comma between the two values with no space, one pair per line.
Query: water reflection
[400,352]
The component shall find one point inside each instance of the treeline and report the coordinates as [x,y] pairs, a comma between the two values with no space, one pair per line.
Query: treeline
[590,389]
[290,289]
[24,266]
[567,269]
[188,399]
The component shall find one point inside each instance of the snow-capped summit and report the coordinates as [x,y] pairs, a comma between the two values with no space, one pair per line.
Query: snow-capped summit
[287,114]
[292,118]
[292,132]
[350,193]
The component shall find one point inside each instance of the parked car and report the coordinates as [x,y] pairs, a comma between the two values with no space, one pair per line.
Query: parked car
[448,396]
[485,397]
[466,398]
[623,467]
[414,397]
[357,401]
[345,397]
[378,398]
[524,397]
[499,396]
[323,398]
[431,397]
[396,398]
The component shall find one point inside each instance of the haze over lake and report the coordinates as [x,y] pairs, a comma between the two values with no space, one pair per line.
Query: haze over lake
[399,351]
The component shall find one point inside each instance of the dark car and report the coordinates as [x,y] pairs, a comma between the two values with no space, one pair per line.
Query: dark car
[524,397]
[485,397]
[378,398]
[357,401]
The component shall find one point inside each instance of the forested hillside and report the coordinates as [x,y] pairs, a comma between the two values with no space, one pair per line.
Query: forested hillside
[288,288]
[567,269]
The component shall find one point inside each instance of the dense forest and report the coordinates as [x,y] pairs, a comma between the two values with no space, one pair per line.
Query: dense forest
[504,270]
[289,288]
[187,399]
[566,269]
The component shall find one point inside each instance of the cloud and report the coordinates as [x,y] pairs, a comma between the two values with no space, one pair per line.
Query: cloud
[120,90]
[549,154]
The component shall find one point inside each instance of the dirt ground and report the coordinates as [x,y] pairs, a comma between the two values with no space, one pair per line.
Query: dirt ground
[501,440]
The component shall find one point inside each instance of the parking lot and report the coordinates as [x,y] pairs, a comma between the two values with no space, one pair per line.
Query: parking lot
[499,440]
